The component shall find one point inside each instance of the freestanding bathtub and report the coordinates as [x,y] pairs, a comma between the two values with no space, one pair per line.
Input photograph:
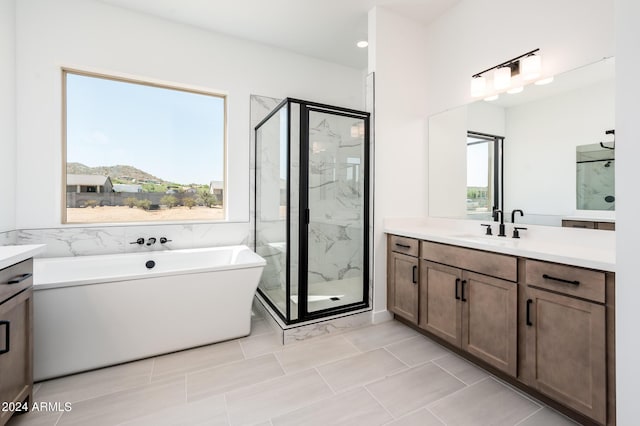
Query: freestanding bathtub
[95,311]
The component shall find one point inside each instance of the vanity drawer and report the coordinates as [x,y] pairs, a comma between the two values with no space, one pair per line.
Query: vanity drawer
[569,280]
[483,262]
[19,272]
[404,245]
[587,224]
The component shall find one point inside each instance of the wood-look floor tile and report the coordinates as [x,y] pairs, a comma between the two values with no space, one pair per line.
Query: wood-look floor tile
[39,418]
[225,378]
[315,352]
[463,370]
[547,417]
[209,411]
[262,344]
[356,407]
[379,335]
[91,384]
[415,388]
[421,417]
[417,350]
[484,403]
[180,363]
[278,396]
[360,369]
[126,405]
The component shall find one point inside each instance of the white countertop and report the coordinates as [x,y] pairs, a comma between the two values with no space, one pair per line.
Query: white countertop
[586,248]
[10,255]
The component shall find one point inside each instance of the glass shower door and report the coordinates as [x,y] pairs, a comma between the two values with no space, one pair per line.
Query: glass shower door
[337,273]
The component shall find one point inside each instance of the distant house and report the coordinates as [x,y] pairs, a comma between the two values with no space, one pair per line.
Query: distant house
[127,187]
[216,187]
[89,183]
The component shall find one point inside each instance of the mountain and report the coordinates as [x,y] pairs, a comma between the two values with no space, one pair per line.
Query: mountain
[120,172]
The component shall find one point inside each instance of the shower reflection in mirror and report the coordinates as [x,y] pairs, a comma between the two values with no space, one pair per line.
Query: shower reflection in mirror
[595,176]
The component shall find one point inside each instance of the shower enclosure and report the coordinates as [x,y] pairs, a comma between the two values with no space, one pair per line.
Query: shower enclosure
[312,209]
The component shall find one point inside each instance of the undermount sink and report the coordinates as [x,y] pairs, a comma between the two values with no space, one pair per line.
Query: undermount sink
[484,239]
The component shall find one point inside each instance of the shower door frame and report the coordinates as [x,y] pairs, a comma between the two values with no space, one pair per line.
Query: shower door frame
[304,214]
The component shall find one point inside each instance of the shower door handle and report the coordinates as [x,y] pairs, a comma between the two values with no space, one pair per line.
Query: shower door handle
[307,216]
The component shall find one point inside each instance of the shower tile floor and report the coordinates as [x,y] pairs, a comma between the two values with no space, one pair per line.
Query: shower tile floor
[385,374]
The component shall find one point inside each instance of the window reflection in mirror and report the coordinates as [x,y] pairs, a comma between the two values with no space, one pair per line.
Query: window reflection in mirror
[483,186]
[140,152]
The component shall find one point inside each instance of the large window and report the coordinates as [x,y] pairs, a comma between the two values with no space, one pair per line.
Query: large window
[138,152]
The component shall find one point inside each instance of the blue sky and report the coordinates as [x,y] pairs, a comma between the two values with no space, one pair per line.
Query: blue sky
[177,136]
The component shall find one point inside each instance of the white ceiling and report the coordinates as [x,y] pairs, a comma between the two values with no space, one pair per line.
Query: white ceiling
[324,29]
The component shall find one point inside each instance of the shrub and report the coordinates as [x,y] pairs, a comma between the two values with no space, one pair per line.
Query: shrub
[91,203]
[189,202]
[169,200]
[206,198]
[131,202]
[143,204]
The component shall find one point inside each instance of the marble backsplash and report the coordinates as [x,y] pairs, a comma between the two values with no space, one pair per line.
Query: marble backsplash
[76,241]
[8,238]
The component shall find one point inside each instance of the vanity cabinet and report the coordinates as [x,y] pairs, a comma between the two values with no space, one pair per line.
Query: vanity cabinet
[16,343]
[402,274]
[565,336]
[471,310]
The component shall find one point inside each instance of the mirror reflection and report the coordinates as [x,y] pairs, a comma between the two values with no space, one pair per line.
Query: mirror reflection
[554,166]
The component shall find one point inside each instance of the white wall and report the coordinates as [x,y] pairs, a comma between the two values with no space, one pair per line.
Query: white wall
[627,34]
[95,36]
[400,63]
[7,114]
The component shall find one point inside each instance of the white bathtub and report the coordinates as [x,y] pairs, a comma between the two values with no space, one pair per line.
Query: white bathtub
[95,311]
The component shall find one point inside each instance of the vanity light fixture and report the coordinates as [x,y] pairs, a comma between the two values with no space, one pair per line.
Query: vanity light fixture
[491,98]
[530,67]
[525,67]
[362,44]
[515,90]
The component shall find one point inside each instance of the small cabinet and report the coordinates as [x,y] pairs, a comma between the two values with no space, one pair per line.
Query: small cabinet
[402,271]
[16,353]
[565,336]
[475,312]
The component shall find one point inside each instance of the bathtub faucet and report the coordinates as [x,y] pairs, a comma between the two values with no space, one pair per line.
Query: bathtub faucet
[139,241]
[151,241]
[164,240]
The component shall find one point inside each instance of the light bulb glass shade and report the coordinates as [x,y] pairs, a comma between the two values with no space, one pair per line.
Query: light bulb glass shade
[362,44]
[502,78]
[491,98]
[514,90]
[544,81]
[478,86]
[531,67]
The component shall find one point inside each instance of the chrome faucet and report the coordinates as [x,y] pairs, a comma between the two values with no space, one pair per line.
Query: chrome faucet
[151,241]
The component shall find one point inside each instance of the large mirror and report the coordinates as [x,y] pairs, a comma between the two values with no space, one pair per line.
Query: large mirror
[549,151]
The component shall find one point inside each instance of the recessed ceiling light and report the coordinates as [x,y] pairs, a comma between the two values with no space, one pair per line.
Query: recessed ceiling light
[362,44]
[544,81]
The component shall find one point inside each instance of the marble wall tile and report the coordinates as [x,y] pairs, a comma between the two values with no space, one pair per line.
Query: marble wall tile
[8,238]
[75,241]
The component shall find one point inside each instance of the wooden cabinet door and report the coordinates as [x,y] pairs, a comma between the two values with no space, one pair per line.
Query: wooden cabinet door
[489,320]
[566,341]
[16,357]
[440,301]
[403,286]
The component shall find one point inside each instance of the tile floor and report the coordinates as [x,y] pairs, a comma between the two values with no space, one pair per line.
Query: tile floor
[385,374]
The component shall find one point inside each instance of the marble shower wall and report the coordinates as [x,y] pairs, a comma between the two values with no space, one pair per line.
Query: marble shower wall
[595,185]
